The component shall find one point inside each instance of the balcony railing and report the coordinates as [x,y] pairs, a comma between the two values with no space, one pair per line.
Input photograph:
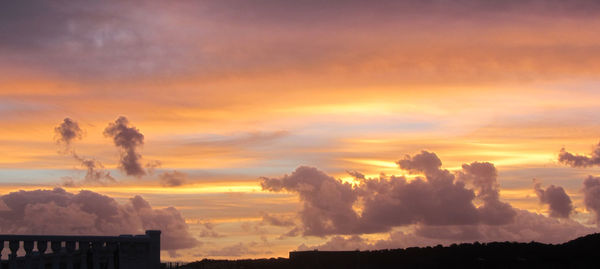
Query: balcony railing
[82,252]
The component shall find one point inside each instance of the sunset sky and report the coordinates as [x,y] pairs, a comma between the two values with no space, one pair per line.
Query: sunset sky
[248,129]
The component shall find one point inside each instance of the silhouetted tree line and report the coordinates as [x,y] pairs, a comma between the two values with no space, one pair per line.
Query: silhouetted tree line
[272,263]
[579,253]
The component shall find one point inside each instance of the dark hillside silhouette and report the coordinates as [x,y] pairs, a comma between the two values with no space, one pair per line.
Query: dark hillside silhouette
[579,253]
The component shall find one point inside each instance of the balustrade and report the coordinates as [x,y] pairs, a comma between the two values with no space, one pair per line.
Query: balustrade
[82,252]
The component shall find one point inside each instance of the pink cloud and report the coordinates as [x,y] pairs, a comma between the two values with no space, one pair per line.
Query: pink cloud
[60,212]
[556,198]
[440,198]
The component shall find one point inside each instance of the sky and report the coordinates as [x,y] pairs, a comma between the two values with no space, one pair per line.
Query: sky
[247,129]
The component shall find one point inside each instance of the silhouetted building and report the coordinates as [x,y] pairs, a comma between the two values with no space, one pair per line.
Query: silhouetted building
[83,252]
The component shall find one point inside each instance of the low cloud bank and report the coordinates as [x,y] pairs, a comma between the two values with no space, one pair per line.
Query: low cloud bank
[439,198]
[438,206]
[86,212]
[526,227]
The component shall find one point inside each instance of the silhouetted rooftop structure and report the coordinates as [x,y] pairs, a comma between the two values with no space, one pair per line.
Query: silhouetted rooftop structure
[82,252]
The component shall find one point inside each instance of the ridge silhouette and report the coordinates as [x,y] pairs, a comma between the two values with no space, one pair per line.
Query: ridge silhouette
[578,253]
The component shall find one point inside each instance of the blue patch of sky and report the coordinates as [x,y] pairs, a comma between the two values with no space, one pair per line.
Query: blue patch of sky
[35,176]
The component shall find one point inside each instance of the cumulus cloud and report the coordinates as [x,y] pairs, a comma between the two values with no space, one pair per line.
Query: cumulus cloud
[591,196]
[526,227]
[424,162]
[575,160]
[169,220]
[441,198]
[326,201]
[172,179]
[395,201]
[60,212]
[67,131]
[483,177]
[128,139]
[556,198]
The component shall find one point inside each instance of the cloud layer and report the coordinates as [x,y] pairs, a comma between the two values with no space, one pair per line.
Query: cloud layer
[526,227]
[60,212]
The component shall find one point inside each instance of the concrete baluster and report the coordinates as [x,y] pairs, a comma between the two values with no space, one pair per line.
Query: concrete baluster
[13,245]
[28,246]
[96,247]
[1,248]
[70,246]
[55,246]
[84,246]
[82,252]
[42,245]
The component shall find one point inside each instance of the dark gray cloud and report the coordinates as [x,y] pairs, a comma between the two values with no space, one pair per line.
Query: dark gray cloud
[556,198]
[128,139]
[591,198]
[441,198]
[172,179]
[575,160]
[60,212]
[67,131]
[95,172]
